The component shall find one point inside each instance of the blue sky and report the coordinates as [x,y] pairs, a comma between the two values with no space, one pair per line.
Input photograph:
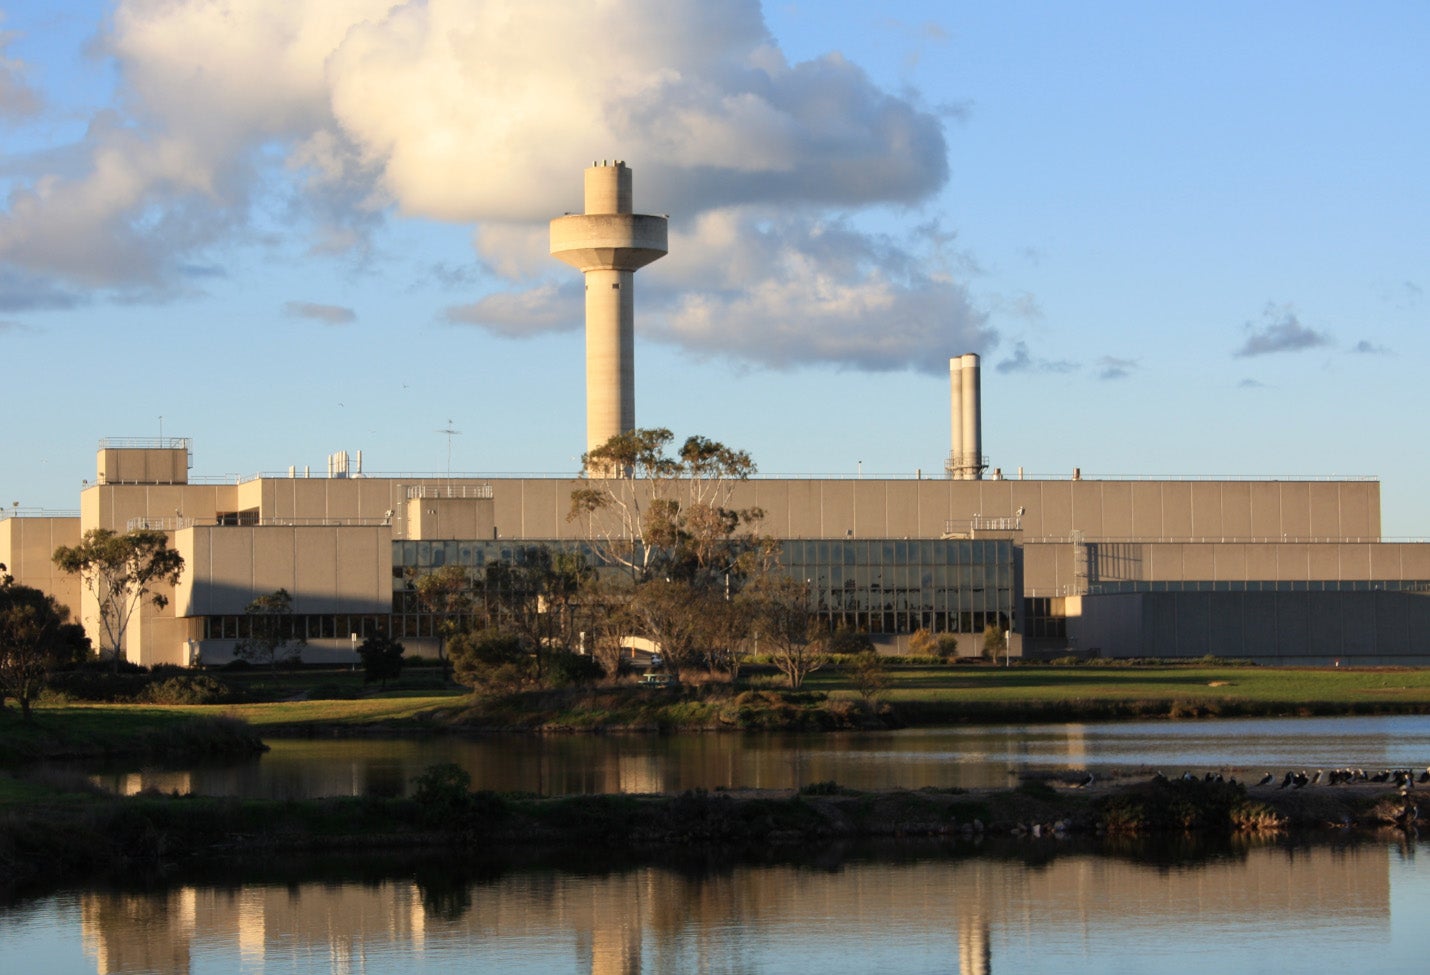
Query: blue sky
[1187,239]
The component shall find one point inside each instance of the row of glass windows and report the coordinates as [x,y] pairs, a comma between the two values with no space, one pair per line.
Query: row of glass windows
[309,626]
[886,551]
[1256,585]
[880,585]
[826,552]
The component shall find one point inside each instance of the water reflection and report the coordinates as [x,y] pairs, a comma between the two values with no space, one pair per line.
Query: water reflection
[1302,908]
[973,757]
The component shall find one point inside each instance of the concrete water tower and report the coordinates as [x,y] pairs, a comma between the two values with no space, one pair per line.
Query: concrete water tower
[608,243]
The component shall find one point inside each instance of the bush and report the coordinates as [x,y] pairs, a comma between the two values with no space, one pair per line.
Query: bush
[926,643]
[99,684]
[442,791]
[572,669]
[186,689]
[843,641]
[489,660]
[381,658]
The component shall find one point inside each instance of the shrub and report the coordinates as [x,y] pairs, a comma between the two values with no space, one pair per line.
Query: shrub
[381,658]
[572,669]
[927,643]
[843,641]
[442,791]
[185,689]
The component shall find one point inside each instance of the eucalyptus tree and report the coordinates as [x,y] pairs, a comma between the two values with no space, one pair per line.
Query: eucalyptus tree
[122,571]
[35,638]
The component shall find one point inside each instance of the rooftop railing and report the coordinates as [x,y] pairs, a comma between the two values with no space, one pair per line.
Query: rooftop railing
[14,512]
[146,443]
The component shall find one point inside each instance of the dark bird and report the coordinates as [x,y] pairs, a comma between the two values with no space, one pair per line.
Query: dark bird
[1087,781]
[1424,776]
[1299,780]
[1266,779]
[1287,781]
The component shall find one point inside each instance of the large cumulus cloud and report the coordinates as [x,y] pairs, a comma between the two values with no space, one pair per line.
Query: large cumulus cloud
[483,112]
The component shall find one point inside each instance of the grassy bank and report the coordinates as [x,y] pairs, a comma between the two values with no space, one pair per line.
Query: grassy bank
[56,836]
[943,695]
[156,733]
[914,695]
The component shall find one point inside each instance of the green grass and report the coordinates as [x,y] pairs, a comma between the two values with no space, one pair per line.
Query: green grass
[916,695]
[1279,686]
[393,709]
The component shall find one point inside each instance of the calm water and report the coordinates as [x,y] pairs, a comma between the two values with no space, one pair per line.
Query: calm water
[960,757]
[1308,909]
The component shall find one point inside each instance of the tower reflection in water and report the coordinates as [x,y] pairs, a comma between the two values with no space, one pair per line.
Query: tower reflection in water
[966,916]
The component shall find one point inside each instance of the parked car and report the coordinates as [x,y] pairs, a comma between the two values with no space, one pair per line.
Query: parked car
[659,680]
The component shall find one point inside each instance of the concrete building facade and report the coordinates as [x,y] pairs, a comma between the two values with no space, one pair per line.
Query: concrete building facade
[1283,570]
[1274,570]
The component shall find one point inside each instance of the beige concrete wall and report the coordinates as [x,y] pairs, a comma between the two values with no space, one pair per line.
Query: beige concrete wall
[113,506]
[867,507]
[454,519]
[325,569]
[27,547]
[130,465]
[1236,562]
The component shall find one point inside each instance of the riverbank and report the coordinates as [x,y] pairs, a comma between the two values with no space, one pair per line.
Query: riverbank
[912,695]
[54,833]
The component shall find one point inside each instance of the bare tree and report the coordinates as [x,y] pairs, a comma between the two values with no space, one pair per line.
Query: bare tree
[658,516]
[446,593]
[676,615]
[123,572]
[272,635]
[784,626]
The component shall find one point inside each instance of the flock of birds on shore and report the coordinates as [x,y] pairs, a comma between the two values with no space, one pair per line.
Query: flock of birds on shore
[1403,778]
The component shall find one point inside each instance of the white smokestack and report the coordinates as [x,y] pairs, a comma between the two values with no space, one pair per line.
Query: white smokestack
[965,459]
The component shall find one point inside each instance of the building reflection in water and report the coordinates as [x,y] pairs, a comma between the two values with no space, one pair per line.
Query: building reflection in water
[652,919]
[295,769]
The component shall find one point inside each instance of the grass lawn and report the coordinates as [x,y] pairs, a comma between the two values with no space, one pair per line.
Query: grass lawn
[988,685]
[394,708]
[928,695]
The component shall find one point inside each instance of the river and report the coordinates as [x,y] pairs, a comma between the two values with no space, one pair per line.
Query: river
[1321,908]
[1047,905]
[971,757]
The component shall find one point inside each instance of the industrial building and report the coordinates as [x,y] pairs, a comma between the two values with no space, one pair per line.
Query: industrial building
[1276,570]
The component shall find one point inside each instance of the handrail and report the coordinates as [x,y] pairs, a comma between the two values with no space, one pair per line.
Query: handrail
[919,475]
[176,523]
[146,443]
[38,513]
[1222,540]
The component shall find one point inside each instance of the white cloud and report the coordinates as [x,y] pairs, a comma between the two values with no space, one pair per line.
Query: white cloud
[1021,360]
[342,112]
[778,292]
[1281,331]
[520,314]
[18,99]
[327,314]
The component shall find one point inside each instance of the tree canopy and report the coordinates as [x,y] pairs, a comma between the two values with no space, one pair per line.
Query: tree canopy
[123,571]
[272,635]
[663,516]
[35,638]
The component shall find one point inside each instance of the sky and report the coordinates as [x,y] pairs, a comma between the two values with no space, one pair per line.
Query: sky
[1186,239]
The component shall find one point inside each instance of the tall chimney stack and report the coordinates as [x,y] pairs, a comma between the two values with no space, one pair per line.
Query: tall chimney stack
[965,457]
[608,243]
